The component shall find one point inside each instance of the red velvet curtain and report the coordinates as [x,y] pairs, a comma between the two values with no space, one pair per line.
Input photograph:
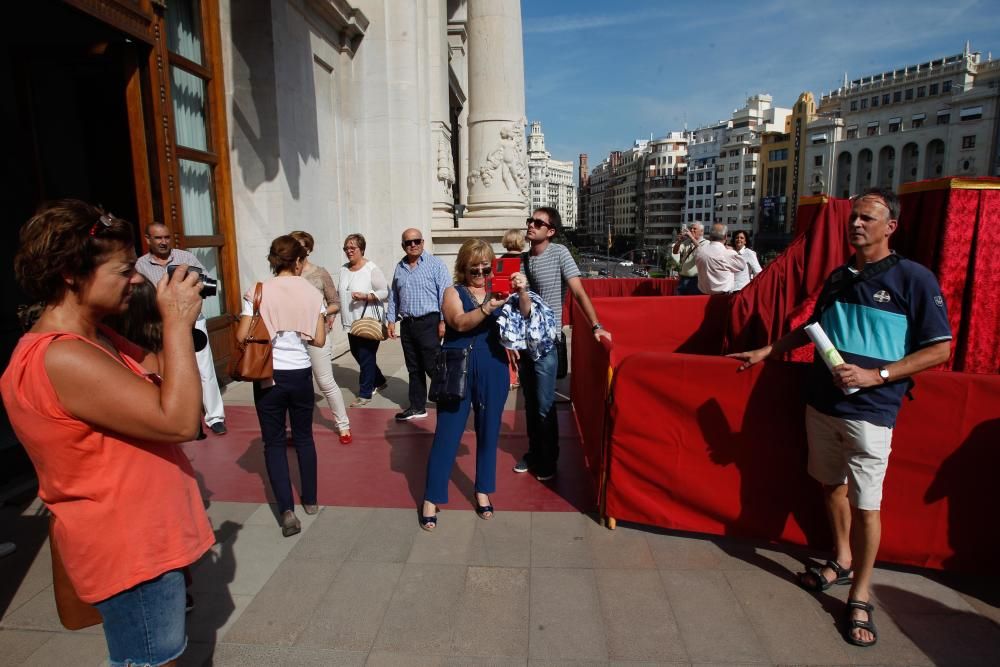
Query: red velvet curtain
[768,307]
[696,446]
[954,230]
[600,287]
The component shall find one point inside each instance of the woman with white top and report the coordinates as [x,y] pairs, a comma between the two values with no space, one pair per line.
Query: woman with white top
[743,278]
[361,283]
[322,357]
[292,311]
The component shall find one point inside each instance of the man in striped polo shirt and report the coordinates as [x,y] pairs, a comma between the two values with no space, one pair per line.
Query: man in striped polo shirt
[551,271]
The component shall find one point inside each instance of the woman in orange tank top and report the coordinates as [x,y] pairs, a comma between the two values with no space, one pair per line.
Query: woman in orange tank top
[101,420]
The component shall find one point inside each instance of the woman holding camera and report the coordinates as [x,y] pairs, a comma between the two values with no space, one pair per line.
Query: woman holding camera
[293,313]
[470,315]
[322,357]
[101,420]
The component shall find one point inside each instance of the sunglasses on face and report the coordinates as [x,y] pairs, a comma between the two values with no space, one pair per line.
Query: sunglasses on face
[477,272]
[409,243]
[538,224]
[349,248]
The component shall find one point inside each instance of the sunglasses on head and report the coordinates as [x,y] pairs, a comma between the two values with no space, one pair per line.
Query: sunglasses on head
[476,272]
[538,224]
[409,243]
[103,223]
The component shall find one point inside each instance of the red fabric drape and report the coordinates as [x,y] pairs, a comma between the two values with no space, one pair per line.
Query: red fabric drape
[599,287]
[720,452]
[954,231]
[764,310]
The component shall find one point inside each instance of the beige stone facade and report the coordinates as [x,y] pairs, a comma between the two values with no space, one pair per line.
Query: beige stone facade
[371,117]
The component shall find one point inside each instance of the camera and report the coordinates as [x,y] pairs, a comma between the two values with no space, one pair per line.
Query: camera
[503,268]
[209,285]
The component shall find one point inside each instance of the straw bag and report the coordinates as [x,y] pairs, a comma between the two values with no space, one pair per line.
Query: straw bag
[253,360]
[371,326]
[74,613]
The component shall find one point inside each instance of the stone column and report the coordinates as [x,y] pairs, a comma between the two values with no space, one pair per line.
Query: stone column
[498,165]
[443,174]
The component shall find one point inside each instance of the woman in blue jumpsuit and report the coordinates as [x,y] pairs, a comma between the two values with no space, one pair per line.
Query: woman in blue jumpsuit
[470,317]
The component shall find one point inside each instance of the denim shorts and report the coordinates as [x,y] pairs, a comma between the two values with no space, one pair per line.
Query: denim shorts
[145,624]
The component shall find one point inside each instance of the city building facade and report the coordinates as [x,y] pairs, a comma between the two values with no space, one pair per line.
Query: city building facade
[739,156]
[662,189]
[937,118]
[550,181]
[703,158]
[782,175]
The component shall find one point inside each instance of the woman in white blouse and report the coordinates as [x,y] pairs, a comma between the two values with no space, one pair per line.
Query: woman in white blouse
[743,278]
[361,283]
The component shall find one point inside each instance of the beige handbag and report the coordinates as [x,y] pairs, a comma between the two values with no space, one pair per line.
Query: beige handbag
[371,326]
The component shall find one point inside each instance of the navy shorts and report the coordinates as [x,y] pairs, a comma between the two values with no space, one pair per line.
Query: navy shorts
[145,625]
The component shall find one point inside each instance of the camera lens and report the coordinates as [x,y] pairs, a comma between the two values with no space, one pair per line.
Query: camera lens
[209,286]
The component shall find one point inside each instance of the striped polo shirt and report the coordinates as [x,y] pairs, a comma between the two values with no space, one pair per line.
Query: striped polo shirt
[549,273]
[873,323]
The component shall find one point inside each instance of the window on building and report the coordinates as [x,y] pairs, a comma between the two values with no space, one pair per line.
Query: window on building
[854,105]
[864,102]
[917,121]
[872,130]
[748,178]
[933,89]
[885,99]
[970,113]
[946,86]
[852,132]
[909,94]
[921,91]
[818,160]
[943,117]
[894,125]
[875,101]
[897,96]
[969,141]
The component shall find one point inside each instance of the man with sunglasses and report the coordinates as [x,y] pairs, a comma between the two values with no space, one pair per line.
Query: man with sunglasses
[551,271]
[415,298]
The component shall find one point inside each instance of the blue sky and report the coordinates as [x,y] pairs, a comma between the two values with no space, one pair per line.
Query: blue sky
[600,74]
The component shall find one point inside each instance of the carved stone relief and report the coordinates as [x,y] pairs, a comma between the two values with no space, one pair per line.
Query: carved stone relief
[445,167]
[506,163]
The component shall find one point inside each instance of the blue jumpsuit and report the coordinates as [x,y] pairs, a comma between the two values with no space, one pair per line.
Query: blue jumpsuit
[486,390]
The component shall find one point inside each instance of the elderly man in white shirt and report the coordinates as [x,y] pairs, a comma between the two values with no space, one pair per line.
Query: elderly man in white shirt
[717,264]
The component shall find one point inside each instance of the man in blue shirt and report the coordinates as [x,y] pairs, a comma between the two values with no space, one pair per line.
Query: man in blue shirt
[415,297]
[887,318]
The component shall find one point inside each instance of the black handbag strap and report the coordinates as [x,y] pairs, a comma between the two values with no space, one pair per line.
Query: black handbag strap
[843,279]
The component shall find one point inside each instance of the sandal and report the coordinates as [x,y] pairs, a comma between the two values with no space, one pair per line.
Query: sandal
[854,624]
[483,511]
[821,583]
[428,523]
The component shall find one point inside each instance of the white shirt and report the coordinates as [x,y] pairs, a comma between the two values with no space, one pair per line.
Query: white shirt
[368,279]
[743,278]
[717,265]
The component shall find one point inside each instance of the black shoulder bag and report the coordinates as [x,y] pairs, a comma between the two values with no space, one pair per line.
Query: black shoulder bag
[448,383]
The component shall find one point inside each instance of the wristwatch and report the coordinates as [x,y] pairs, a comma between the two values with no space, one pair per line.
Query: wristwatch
[883,373]
[597,325]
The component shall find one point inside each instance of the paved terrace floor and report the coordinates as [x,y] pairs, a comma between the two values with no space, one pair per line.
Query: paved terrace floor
[540,584]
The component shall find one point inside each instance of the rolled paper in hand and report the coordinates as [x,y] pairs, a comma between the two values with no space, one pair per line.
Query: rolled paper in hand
[831,357]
